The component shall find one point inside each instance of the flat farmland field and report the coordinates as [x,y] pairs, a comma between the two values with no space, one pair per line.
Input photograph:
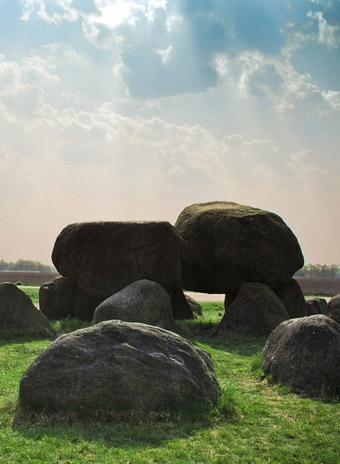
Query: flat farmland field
[27,277]
[323,286]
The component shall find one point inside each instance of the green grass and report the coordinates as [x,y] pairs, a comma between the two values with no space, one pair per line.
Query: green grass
[254,422]
[31,290]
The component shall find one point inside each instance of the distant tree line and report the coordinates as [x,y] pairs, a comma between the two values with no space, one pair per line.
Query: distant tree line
[25,265]
[319,271]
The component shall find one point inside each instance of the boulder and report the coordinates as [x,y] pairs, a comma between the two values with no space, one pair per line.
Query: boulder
[316,306]
[61,297]
[142,301]
[105,257]
[18,315]
[334,308]
[195,307]
[256,310]
[293,298]
[227,244]
[116,366]
[304,353]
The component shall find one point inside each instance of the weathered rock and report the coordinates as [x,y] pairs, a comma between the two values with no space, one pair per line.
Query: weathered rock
[142,301]
[18,314]
[62,297]
[115,366]
[304,353]
[105,257]
[256,310]
[316,306]
[334,308]
[293,298]
[195,307]
[227,244]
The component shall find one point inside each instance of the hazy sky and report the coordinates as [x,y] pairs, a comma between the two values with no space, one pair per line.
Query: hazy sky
[132,110]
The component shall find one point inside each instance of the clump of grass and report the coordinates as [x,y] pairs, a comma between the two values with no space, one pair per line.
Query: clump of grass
[256,364]
[70,324]
[228,402]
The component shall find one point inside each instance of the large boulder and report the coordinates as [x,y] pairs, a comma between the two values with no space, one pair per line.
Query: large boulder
[293,298]
[227,244]
[105,257]
[61,297]
[118,366]
[142,301]
[316,306]
[18,315]
[256,310]
[304,353]
[334,308]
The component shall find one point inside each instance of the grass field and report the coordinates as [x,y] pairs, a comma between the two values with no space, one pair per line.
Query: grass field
[269,423]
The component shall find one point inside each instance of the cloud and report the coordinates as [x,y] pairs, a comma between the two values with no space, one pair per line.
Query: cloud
[329,34]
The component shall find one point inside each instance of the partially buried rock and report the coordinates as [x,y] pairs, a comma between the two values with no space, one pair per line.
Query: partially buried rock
[62,297]
[334,308]
[304,353]
[116,367]
[105,257]
[316,306]
[18,315]
[256,310]
[142,301]
[227,244]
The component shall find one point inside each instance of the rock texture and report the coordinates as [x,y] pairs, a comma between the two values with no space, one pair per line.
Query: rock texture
[105,257]
[142,301]
[227,244]
[316,306]
[304,353]
[256,310]
[195,307]
[115,366]
[18,314]
[293,299]
[62,297]
[334,308]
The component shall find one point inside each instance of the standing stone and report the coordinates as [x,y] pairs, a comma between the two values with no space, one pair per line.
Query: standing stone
[105,257]
[61,297]
[316,306]
[227,244]
[293,298]
[142,301]
[304,353]
[255,310]
[18,314]
[116,367]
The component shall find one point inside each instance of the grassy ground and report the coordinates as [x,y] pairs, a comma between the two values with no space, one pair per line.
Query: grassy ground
[269,424]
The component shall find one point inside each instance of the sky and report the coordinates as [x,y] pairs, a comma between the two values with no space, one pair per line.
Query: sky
[132,110]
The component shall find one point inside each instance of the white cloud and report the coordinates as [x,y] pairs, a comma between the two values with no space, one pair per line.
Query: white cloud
[329,35]
[165,54]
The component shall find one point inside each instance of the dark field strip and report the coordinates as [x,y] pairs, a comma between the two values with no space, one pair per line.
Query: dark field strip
[27,277]
[319,286]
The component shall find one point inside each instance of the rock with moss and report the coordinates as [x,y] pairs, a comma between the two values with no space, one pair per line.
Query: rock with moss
[304,353]
[255,310]
[116,367]
[334,308]
[62,297]
[227,244]
[105,257]
[142,301]
[18,315]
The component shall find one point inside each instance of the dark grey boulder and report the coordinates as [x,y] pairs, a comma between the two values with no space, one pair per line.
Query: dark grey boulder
[227,244]
[304,353]
[105,257]
[118,366]
[142,301]
[196,308]
[293,298]
[316,306]
[334,308]
[61,297]
[18,315]
[256,310]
